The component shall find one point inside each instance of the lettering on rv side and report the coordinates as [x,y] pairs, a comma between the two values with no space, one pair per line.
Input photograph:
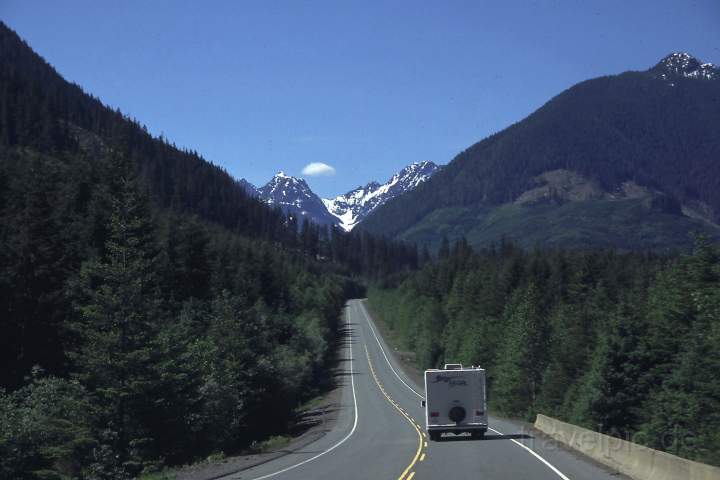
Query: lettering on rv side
[452,381]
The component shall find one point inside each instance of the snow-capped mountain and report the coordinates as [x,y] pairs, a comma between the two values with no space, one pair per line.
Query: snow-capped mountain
[294,196]
[352,207]
[683,64]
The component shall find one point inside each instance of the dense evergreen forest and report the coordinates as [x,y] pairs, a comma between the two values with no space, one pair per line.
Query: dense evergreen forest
[625,343]
[152,312]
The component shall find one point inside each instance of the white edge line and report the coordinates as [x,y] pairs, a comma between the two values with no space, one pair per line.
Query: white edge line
[548,464]
[352,381]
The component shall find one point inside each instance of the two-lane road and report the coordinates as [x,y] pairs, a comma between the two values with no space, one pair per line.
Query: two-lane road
[379,433]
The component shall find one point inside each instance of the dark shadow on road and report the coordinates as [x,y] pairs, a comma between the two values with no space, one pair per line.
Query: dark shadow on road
[345,360]
[487,436]
[307,452]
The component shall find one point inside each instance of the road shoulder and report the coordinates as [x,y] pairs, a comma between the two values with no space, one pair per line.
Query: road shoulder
[323,418]
[311,424]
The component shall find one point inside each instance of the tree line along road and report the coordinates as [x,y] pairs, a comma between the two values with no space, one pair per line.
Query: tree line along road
[380,431]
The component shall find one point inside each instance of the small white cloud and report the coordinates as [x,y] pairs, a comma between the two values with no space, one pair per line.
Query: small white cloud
[316,169]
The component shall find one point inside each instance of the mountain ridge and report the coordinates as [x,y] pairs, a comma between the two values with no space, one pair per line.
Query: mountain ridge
[682,64]
[293,195]
[635,126]
[354,206]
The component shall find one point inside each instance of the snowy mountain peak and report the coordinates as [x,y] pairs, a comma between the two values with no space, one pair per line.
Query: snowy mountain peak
[295,197]
[683,64]
[282,177]
[352,207]
[415,173]
[284,189]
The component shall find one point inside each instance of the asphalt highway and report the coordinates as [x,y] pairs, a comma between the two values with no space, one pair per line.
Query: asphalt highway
[379,433]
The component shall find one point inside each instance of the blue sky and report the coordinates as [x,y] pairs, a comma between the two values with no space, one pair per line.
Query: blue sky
[365,87]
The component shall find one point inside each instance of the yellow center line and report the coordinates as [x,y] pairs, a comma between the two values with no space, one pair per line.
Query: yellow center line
[410,420]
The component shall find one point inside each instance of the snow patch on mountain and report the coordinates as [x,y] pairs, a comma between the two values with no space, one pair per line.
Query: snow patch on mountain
[682,64]
[295,197]
[354,206]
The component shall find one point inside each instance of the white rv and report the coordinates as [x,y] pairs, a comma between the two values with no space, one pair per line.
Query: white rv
[455,401]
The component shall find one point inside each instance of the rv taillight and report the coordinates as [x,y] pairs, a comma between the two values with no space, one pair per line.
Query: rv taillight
[478,412]
[434,414]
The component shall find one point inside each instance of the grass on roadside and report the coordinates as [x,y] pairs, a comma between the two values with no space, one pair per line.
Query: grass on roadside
[275,442]
[311,404]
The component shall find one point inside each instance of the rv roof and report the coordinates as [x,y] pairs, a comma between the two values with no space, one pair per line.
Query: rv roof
[464,369]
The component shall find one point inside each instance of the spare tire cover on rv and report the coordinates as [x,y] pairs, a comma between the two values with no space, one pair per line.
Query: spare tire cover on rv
[457,414]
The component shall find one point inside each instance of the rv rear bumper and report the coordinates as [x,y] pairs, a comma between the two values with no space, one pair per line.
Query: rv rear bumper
[463,427]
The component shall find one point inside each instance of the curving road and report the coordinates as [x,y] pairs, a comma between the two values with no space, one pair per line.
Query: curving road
[379,433]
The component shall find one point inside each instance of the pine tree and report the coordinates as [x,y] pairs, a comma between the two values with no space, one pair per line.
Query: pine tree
[682,416]
[117,325]
[523,356]
[33,263]
[569,351]
[444,251]
[611,393]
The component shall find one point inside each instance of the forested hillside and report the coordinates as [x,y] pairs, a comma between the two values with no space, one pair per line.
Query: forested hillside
[152,312]
[625,343]
[654,128]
